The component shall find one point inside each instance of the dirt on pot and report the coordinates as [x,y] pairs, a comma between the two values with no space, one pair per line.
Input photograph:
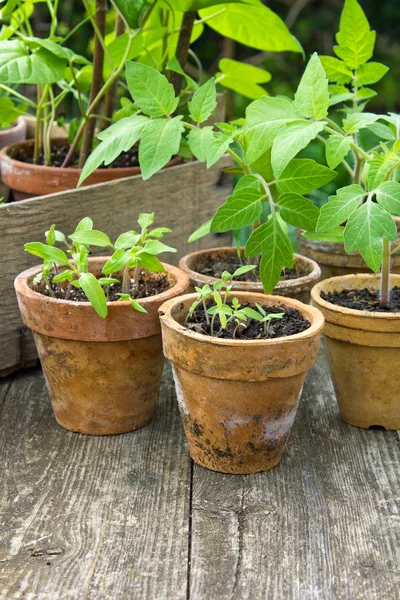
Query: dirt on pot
[364,299]
[291,323]
[214,266]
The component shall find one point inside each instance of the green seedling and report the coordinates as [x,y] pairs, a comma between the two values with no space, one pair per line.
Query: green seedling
[132,250]
[267,318]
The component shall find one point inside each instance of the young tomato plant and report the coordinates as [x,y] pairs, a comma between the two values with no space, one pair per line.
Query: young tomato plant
[265,145]
[132,250]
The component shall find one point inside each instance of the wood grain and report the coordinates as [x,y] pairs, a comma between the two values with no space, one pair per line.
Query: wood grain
[182,197]
[324,524]
[91,517]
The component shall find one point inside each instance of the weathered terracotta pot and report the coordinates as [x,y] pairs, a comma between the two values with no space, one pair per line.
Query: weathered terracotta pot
[14,134]
[238,399]
[28,180]
[103,375]
[298,288]
[333,259]
[364,355]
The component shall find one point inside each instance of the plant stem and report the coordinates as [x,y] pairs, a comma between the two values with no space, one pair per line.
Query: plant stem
[205,312]
[212,323]
[183,48]
[97,80]
[385,273]
[126,281]
[109,100]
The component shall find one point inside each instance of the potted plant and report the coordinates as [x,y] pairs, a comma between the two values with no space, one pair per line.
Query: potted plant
[96,326]
[239,361]
[350,73]
[161,34]
[267,184]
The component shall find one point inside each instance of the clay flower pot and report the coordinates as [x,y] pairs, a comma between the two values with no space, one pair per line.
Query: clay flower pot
[364,352]
[28,180]
[333,259]
[103,375]
[298,288]
[14,134]
[238,399]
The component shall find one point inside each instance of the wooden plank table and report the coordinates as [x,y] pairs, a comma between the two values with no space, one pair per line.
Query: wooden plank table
[130,517]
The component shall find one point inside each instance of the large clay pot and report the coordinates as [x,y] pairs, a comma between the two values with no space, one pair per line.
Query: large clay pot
[298,288]
[335,261]
[103,375]
[238,399]
[28,180]
[364,354]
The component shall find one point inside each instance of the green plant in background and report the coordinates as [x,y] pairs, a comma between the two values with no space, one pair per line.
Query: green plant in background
[132,251]
[10,111]
[264,146]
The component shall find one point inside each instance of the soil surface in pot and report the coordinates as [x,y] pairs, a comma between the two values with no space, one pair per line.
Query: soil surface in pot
[150,284]
[364,299]
[214,267]
[291,323]
[59,152]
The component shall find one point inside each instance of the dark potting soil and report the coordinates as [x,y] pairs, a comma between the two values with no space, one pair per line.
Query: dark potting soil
[291,323]
[364,299]
[59,152]
[150,284]
[214,267]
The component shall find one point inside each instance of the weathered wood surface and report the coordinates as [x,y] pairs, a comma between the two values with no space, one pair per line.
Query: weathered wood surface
[131,520]
[183,197]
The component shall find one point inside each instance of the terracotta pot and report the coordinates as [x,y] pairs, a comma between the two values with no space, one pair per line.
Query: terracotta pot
[238,399]
[364,355]
[103,375]
[14,134]
[298,288]
[333,259]
[28,180]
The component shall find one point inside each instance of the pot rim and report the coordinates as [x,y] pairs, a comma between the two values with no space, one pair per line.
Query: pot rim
[313,314]
[319,287]
[314,274]
[22,280]
[19,123]
[5,158]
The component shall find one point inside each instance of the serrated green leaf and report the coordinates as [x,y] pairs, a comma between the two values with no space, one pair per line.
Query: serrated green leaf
[303,175]
[91,238]
[388,196]
[253,25]
[203,102]
[334,235]
[47,252]
[291,139]
[240,209]
[336,70]
[379,168]
[356,40]
[199,141]
[203,230]
[120,137]
[151,91]
[298,211]
[264,119]
[382,131]
[119,259]
[217,147]
[159,142]
[150,262]
[336,149]
[312,96]
[94,293]
[356,121]
[365,231]
[339,207]
[274,245]
[371,73]
[20,66]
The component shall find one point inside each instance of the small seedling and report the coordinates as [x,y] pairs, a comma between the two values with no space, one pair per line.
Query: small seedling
[132,250]
[227,313]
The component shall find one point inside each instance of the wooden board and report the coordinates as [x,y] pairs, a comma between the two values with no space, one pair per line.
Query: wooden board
[86,517]
[324,524]
[182,197]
